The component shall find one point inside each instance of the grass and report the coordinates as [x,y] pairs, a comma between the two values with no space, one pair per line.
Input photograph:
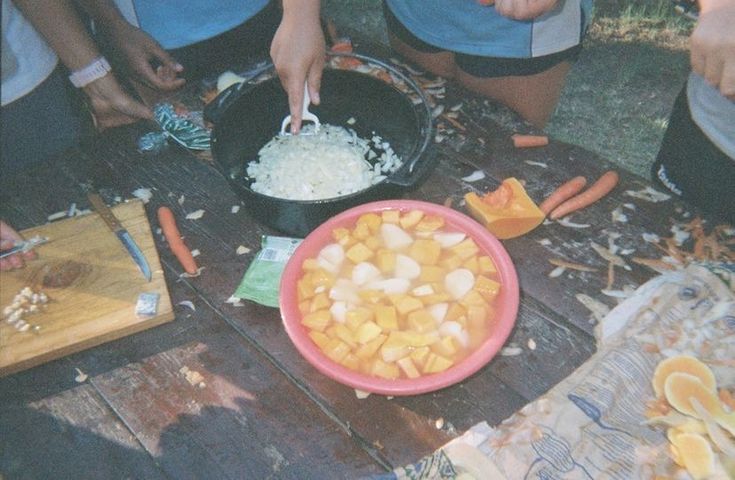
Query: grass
[618,96]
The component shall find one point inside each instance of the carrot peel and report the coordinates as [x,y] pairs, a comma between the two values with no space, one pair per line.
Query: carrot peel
[597,190]
[176,244]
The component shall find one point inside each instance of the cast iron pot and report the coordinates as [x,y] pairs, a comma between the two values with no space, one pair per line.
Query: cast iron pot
[247,116]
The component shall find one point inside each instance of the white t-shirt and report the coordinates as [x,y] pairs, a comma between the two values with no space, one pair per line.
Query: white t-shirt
[26,58]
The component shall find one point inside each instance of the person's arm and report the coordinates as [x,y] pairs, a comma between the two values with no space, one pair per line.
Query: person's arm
[143,56]
[298,53]
[8,239]
[63,30]
[712,45]
[524,9]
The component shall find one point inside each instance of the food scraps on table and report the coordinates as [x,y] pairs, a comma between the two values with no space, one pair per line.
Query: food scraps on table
[398,295]
[507,212]
[700,425]
[26,302]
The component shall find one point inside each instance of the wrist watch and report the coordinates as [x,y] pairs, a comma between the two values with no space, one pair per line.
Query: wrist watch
[97,69]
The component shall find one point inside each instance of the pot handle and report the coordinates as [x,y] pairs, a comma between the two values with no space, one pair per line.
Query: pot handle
[410,175]
[213,110]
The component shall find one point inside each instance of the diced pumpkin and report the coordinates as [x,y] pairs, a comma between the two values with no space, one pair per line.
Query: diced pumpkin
[359,252]
[361,231]
[432,273]
[685,364]
[343,332]
[370,348]
[486,264]
[419,355]
[408,368]
[320,302]
[371,220]
[357,316]
[487,287]
[407,304]
[319,338]
[322,278]
[473,297]
[304,288]
[465,249]
[422,321]
[411,218]
[386,317]
[446,347]
[472,265]
[385,260]
[390,216]
[351,361]
[395,347]
[507,212]
[305,307]
[339,233]
[373,242]
[425,251]
[436,363]
[477,316]
[385,370]
[336,349]
[455,311]
[367,331]
[371,296]
[317,320]
[451,261]
[430,223]
[435,298]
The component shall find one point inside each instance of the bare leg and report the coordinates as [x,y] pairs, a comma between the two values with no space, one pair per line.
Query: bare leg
[440,63]
[534,97]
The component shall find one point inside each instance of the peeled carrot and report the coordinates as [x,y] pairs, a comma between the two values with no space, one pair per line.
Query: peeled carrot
[525,141]
[566,191]
[599,189]
[176,244]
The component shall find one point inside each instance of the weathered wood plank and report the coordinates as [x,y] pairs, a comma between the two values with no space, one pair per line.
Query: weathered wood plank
[70,434]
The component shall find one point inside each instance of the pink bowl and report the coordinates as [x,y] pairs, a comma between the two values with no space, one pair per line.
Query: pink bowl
[506,304]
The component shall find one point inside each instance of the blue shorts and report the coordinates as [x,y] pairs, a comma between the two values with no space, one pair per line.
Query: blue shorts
[41,124]
[479,66]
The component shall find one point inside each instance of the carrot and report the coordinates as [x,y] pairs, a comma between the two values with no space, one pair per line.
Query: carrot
[525,141]
[599,189]
[564,192]
[176,244]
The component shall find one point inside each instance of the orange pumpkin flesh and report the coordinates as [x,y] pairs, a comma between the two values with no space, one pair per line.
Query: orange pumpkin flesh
[507,212]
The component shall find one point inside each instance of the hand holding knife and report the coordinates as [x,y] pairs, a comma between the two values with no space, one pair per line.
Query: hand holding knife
[98,204]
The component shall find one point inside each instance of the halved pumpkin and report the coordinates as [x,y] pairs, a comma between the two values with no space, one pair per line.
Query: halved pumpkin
[507,212]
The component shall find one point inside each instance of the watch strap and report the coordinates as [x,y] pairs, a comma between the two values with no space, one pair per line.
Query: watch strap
[97,69]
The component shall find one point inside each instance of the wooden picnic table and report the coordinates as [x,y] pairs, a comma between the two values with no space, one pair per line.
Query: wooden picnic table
[265,412]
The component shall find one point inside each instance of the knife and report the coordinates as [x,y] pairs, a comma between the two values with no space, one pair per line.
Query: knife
[114,224]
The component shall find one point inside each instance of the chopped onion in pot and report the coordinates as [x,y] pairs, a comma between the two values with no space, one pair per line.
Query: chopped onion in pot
[330,163]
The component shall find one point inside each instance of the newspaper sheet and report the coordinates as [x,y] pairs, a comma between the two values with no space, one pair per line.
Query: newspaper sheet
[591,425]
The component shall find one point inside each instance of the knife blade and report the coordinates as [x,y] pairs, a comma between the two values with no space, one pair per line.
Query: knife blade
[98,204]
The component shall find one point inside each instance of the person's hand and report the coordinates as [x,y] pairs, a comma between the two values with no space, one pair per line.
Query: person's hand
[298,51]
[8,239]
[146,59]
[712,46]
[111,105]
[524,9]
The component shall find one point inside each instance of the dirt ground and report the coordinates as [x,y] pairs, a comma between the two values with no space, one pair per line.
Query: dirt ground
[618,95]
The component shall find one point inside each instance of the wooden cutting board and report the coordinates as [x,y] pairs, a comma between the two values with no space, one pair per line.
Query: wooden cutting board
[92,285]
